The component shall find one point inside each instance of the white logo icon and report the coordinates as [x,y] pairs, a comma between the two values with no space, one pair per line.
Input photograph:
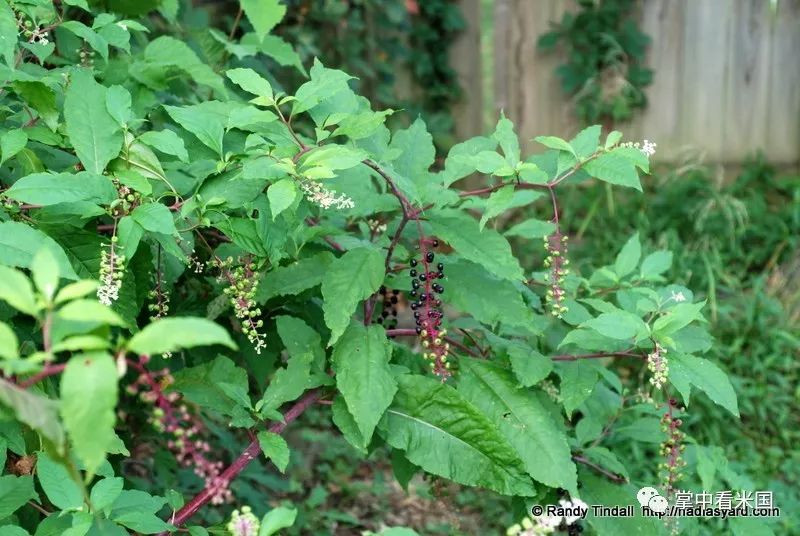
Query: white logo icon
[650,498]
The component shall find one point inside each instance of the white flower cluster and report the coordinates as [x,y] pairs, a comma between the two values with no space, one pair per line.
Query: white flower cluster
[324,198]
[647,147]
[111,263]
[546,524]
[34,34]
[658,366]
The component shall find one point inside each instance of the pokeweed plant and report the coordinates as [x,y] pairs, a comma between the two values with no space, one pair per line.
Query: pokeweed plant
[183,242]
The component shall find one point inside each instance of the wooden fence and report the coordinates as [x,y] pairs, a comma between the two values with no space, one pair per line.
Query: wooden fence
[727,76]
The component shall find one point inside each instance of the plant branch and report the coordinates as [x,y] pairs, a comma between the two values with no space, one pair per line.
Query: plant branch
[48,370]
[605,472]
[412,333]
[249,454]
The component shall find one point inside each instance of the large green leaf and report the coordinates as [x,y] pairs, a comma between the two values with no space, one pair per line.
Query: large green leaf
[57,483]
[487,248]
[15,491]
[263,14]
[687,369]
[8,34]
[218,385]
[40,413]
[444,434]
[287,384]
[598,490]
[17,291]
[522,419]
[19,243]
[88,401]
[173,333]
[94,134]
[361,362]
[353,277]
[615,167]
[203,120]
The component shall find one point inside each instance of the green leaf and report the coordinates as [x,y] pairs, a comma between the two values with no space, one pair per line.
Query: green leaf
[323,84]
[88,402]
[294,278]
[40,413]
[92,38]
[60,488]
[578,380]
[333,157]
[203,120]
[154,217]
[299,338]
[9,345]
[94,134]
[445,435]
[361,362]
[469,288]
[44,270]
[11,143]
[532,229]
[655,264]
[598,490]
[497,204]
[522,419]
[16,290]
[251,81]
[53,188]
[508,140]
[416,152]
[41,98]
[678,317]
[620,325]
[19,243]
[118,104]
[218,385]
[628,257]
[137,511]
[529,366]
[281,195]
[706,376]
[351,278]
[105,492]
[614,168]
[263,14]
[585,143]
[173,333]
[612,139]
[553,142]
[90,311]
[287,384]
[344,420]
[487,248]
[8,37]
[277,519]
[275,449]
[15,492]
[167,142]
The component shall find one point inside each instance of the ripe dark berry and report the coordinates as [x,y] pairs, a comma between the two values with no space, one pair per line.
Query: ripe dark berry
[429,256]
[393,299]
[413,262]
[435,243]
[382,290]
[440,266]
[415,284]
[440,289]
[393,311]
[418,330]
[414,305]
[413,293]
[423,297]
[384,313]
[413,273]
[422,277]
[440,274]
[416,314]
[379,320]
[395,292]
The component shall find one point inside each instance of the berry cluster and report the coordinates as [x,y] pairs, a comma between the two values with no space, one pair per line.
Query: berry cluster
[242,281]
[658,366]
[389,308]
[112,265]
[671,449]
[33,33]
[184,429]
[127,200]
[556,262]
[243,523]
[427,308]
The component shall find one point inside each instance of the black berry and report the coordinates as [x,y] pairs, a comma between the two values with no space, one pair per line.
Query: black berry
[413,273]
[415,284]
[429,256]
[413,262]
[435,243]
[393,299]
[440,266]
[422,277]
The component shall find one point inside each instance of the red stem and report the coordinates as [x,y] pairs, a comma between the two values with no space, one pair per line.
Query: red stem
[48,370]
[250,453]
